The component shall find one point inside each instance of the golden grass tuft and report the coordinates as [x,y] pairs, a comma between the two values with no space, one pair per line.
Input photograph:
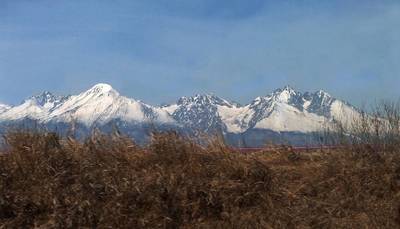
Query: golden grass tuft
[108,181]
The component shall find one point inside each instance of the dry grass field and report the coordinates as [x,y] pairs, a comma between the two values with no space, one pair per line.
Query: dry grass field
[110,182]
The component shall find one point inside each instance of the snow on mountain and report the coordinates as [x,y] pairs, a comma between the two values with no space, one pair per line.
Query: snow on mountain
[280,111]
[198,112]
[318,102]
[36,107]
[102,104]
[49,101]
[28,109]
[209,113]
[289,110]
[284,109]
[235,117]
[323,104]
[4,108]
[288,118]
[170,108]
[343,112]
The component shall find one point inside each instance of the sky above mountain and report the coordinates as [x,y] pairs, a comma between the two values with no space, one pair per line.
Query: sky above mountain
[159,50]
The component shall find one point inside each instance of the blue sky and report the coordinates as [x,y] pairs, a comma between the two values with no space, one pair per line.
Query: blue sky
[160,50]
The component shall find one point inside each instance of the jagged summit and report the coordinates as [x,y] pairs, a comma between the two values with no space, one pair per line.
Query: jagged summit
[45,95]
[47,100]
[285,109]
[285,94]
[286,89]
[102,89]
[102,104]
[36,107]
[203,99]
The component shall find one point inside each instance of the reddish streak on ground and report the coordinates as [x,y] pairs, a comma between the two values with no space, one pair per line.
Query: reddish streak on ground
[291,148]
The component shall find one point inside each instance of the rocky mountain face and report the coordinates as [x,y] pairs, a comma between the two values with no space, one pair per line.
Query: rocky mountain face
[97,106]
[284,112]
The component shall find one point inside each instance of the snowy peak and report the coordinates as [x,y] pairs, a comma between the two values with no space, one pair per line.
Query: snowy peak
[102,104]
[285,94]
[322,96]
[101,89]
[43,98]
[289,110]
[203,99]
[208,113]
[319,103]
[47,100]
[36,107]
[28,109]
[4,108]
[285,109]
[199,112]
[279,100]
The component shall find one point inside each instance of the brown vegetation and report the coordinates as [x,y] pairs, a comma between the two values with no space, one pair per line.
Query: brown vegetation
[109,182]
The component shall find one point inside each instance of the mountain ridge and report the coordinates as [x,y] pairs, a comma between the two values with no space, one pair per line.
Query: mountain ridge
[283,110]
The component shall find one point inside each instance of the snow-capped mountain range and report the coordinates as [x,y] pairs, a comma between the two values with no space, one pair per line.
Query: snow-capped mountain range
[284,110]
[98,105]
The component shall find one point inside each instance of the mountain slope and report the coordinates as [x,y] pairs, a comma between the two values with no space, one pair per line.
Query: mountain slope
[199,112]
[4,108]
[102,104]
[36,107]
[283,111]
[289,110]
